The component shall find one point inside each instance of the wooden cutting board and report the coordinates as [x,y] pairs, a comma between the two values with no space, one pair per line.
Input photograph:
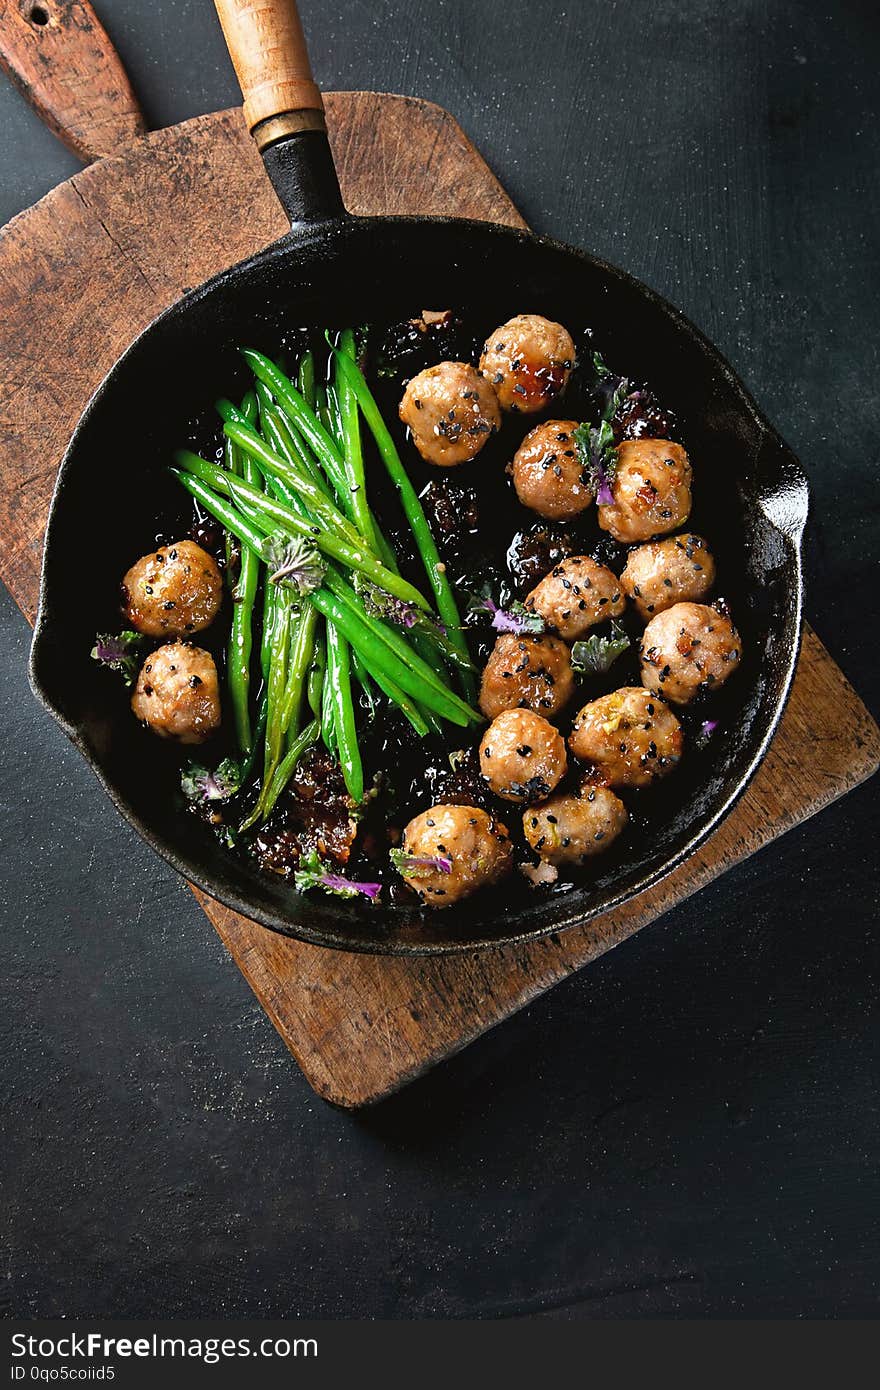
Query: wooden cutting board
[80,274]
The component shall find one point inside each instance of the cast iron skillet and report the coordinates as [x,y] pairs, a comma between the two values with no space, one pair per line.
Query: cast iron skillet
[334,268]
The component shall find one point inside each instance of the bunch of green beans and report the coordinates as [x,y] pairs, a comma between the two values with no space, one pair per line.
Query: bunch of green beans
[337,615]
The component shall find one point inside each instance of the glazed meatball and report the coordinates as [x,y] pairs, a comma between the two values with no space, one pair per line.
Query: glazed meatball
[547,473]
[522,757]
[665,572]
[631,737]
[689,648]
[177,694]
[651,490]
[575,595]
[173,591]
[451,411]
[454,851]
[528,673]
[569,829]
[528,360]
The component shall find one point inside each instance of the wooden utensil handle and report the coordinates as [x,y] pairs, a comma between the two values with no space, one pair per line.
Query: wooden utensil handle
[60,57]
[268,50]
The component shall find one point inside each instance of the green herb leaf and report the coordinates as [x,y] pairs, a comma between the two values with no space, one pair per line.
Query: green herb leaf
[596,655]
[294,562]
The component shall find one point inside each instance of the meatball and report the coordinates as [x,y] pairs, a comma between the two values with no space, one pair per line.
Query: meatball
[451,411]
[631,737]
[177,695]
[665,572]
[651,490]
[548,474]
[528,360]
[453,851]
[575,595]
[569,829]
[174,590]
[528,673]
[522,757]
[689,648]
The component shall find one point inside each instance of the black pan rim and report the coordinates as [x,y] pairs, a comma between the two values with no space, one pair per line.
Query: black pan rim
[315,235]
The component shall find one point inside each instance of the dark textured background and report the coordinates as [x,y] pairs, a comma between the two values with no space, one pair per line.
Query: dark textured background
[689,1127]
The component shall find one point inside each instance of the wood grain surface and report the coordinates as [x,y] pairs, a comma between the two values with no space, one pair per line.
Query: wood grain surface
[58,54]
[80,275]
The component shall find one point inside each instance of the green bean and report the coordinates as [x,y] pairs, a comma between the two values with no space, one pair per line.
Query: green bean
[250,761]
[238,662]
[306,378]
[283,438]
[438,697]
[328,730]
[288,765]
[270,592]
[303,415]
[356,559]
[325,511]
[392,692]
[276,680]
[415,515]
[316,675]
[362,676]
[232,464]
[350,430]
[385,662]
[245,414]
[221,509]
[339,683]
[394,640]
[265,399]
[300,656]
[334,419]
[244,595]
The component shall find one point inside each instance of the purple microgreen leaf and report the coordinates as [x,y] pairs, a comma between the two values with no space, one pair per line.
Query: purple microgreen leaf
[380,604]
[420,865]
[314,872]
[705,732]
[516,618]
[596,655]
[120,652]
[202,784]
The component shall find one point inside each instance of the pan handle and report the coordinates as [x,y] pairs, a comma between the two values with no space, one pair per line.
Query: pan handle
[59,56]
[282,105]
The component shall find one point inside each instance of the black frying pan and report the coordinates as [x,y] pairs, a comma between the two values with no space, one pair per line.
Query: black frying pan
[334,268]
